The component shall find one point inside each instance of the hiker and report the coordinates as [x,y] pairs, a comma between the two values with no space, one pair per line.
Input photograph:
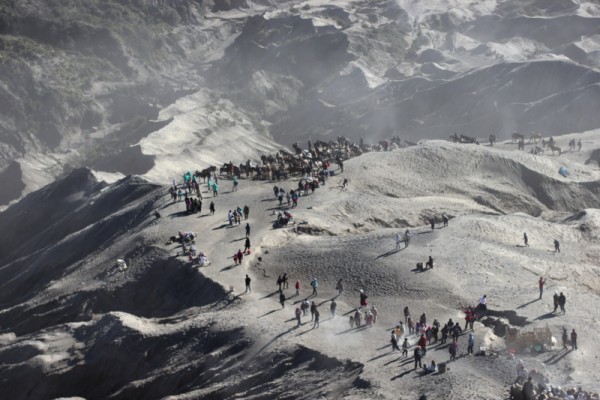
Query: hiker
[317,315]
[357,318]
[246,212]
[525,239]
[527,392]
[565,338]
[298,313]
[339,286]
[314,285]
[284,281]
[297,286]
[247,245]
[394,341]
[247,229]
[405,346]
[304,306]
[561,302]
[398,240]
[332,308]
[541,284]
[453,349]
[470,343]
[417,355]
[556,246]
[282,299]
[211,208]
[429,263]
[445,219]
[248,280]
[374,311]
[555,302]
[363,299]
[313,308]
[483,304]
[573,340]
[406,314]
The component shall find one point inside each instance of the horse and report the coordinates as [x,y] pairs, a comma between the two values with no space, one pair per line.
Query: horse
[205,173]
[535,137]
[517,137]
[554,148]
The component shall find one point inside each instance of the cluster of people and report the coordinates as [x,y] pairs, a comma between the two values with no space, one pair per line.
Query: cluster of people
[572,145]
[370,317]
[236,215]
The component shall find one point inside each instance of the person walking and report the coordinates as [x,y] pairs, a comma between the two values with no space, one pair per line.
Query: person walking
[317,315]
[525,240]
[340,286]
[315,284]
[565,338]
[298,316]
[246,211]
[555,298]
[247,246]
[282,299]
[248,280]
[405,346]
[453,349]
[394,341]
[573,340]
[332,308]
[247,230]
[398,240]
[541,284]
[432,223]
[211,208]
[313,308]
[297,288]
[406,314]
[562,300]
[556,246]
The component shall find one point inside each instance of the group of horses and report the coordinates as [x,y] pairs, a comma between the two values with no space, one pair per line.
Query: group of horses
[536,138]
[303,161]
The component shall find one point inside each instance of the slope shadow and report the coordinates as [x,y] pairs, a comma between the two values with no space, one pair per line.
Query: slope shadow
[526,304]
[389,253]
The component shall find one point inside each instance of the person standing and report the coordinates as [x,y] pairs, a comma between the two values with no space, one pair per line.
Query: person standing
[297,288]
[565,337]
[527,391]
[541,284]
[246,211]
[432,223]
[573,340]
[556,246]
[453,349]
[406,314]
[247,230]
[398,240]
[298,316]
[313,308]
[315,284]
[332,308]
[211,208]
[248,280]
[555,298]
[470,343]
[247,245]
[562,300]
[417,355]
[525,240]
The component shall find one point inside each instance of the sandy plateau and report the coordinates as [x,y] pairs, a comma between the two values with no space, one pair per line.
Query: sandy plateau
[74,325]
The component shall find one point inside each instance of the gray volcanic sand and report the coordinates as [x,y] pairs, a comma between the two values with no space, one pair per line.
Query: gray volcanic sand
[76,326]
